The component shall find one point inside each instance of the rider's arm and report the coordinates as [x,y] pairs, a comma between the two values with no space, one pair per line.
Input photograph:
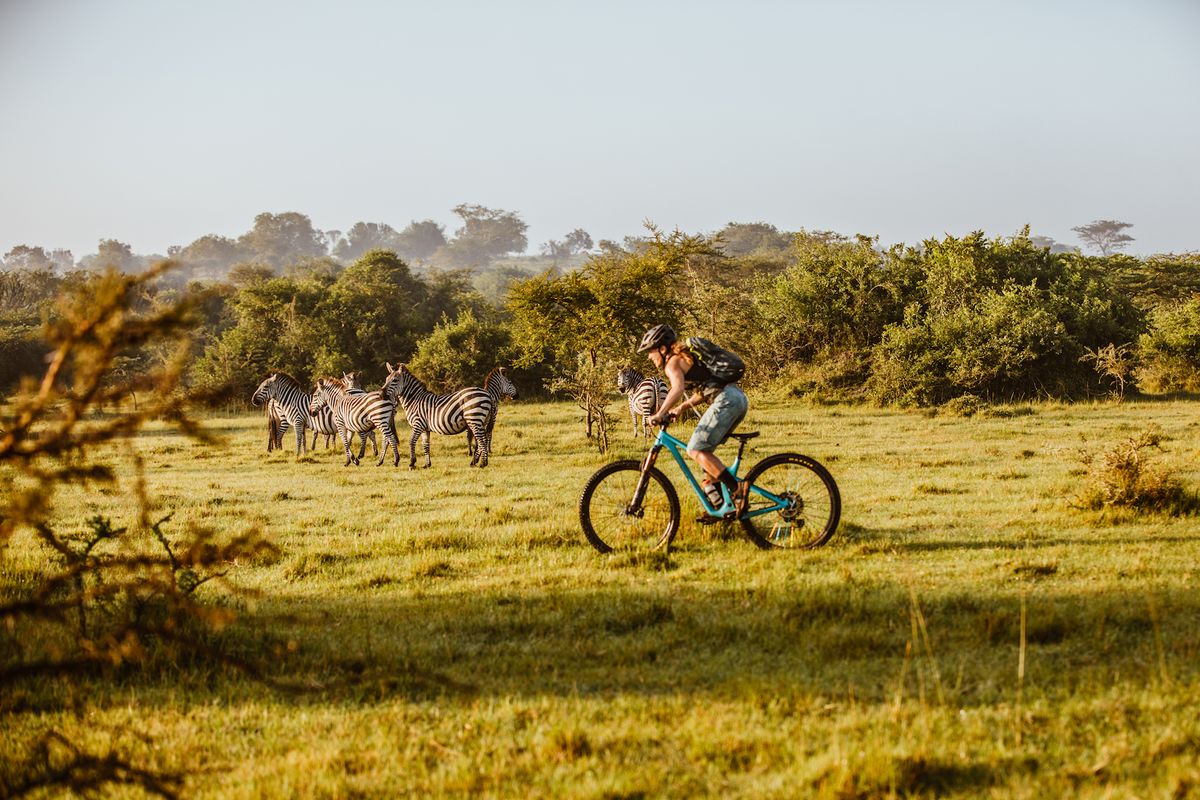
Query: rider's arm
[674,370]
[696,399]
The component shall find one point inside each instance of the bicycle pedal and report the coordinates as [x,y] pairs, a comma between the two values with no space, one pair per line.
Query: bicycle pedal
[709,519]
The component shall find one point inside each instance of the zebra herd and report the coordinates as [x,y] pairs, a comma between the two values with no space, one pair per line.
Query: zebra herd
[341,406]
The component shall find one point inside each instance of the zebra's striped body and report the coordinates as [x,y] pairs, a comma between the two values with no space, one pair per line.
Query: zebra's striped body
[352,383]
[447,414]
[498,387]
[289,401]
[644,393]
[357,412]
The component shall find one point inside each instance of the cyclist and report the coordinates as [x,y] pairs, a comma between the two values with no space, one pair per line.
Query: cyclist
[727,407]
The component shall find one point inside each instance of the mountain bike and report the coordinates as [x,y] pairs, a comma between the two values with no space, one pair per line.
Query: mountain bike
[793,500]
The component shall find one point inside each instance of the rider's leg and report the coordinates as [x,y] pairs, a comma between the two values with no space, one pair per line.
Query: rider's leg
[722,416]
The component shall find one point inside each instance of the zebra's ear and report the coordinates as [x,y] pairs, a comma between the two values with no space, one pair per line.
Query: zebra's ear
[389,366]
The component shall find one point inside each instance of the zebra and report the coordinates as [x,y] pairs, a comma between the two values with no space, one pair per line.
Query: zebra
[448,414]
[320,423]
[645,394]
[357,413]
[498,387]
[352,382]
[287,399]
[289,402]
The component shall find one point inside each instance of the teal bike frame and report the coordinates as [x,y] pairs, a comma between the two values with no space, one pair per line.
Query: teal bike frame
[677,447]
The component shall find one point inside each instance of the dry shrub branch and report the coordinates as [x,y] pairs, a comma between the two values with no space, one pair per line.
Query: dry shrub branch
[109,599]
[1125,477]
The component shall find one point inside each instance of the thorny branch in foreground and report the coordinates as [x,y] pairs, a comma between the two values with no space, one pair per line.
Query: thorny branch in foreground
[112,597]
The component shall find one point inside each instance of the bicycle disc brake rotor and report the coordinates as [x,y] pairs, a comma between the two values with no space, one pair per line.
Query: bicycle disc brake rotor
[793,511]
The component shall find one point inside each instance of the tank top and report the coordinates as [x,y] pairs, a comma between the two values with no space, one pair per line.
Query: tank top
[699,376]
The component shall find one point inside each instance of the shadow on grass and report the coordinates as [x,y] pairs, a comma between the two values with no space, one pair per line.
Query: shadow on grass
[866,541]
[820,638]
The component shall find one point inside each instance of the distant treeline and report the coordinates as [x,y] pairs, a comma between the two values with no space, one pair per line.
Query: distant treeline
[288,242]
[813,313]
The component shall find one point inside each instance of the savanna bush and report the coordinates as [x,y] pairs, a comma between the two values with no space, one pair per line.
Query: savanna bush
[1000,319]
[1169,352]
[1125,476]
[460,352]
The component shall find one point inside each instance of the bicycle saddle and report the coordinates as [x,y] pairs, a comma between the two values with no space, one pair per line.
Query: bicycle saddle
[745,437]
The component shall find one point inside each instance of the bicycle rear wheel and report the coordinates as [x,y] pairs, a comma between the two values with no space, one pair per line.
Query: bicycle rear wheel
[610,522]
[794,503]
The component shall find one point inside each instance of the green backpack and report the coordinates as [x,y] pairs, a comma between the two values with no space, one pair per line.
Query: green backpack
[725,365]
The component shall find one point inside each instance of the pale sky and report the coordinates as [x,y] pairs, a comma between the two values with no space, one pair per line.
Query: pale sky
[156,122]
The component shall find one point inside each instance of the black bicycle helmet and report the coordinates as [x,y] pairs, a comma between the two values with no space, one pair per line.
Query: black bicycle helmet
[657,336]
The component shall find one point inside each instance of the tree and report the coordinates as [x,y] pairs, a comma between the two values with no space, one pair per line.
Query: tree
[364,236]
[1106,235]
[250,273]
[1051,244]
[211,256]
[746,238]
[112,253]
[374,312]
[586,323]
[460,352]
[278,239]
[486,234]
[420,240]
[24,257]
[576,242]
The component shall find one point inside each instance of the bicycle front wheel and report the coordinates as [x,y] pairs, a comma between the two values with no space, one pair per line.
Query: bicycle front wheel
[611,520]
[794,503]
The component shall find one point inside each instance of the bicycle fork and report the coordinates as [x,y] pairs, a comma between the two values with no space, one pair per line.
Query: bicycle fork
[639,492]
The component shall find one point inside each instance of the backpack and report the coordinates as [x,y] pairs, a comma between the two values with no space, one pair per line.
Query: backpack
[725,366]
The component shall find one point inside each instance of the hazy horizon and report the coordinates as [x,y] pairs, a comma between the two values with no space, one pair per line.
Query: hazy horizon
[156,124]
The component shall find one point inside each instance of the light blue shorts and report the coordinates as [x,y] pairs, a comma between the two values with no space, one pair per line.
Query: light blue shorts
[723,415]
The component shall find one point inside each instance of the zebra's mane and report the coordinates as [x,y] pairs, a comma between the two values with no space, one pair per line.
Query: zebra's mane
[491,375]
[283,377]
[334,383]
[420,383]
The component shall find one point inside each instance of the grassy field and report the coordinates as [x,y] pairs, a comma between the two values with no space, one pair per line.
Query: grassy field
[966,633]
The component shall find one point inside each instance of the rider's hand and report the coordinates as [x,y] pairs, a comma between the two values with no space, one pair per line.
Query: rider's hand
[663,416]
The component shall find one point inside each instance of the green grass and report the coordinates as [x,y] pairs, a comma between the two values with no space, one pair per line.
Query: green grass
[465,640]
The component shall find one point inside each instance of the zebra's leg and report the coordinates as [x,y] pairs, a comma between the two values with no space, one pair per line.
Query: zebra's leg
[344,434]
[281,426]
[633,415]
[428,462]
[388,432]
[412,449]
[481,446]
[301,439]
[375,442]
[316,435]
[362,444]
[483,442]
